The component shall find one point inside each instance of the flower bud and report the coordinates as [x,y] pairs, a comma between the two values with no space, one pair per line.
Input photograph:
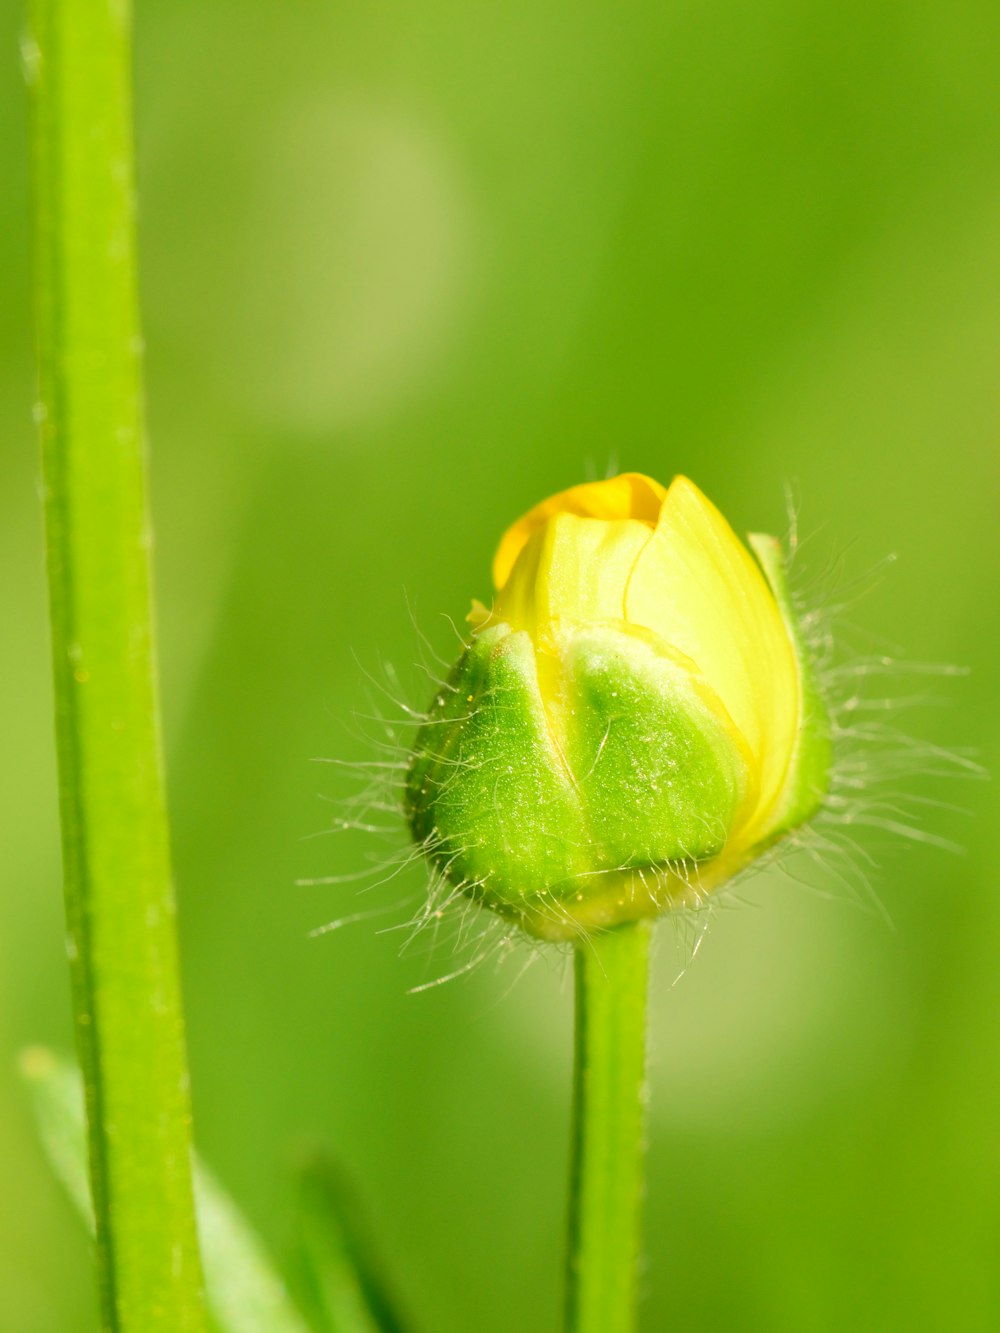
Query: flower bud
[631,724]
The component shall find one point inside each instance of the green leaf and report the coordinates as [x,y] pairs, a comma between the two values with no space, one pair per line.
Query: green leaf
[245,1294]
[345,1288]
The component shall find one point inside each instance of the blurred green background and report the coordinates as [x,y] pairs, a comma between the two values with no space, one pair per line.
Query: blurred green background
[406,269]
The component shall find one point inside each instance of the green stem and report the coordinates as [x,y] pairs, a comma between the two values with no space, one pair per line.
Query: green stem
[612,972]
[119,897]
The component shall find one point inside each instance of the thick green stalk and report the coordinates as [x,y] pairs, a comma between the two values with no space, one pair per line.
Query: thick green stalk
[119,897]
[612,972]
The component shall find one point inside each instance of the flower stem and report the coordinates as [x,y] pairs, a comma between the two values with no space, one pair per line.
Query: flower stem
[119,896]
[612,970]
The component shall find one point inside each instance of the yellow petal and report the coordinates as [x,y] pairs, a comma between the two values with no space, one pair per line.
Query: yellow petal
[630,496]
[697,586]
[571,568]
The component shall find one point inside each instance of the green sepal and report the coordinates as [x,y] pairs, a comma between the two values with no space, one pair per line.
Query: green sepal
[486,792]
[659,776]
[582,803]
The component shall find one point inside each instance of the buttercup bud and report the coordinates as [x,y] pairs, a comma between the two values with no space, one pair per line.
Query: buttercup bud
[633,721]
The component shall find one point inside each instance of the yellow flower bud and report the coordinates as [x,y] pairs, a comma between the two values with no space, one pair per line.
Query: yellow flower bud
[633,721]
